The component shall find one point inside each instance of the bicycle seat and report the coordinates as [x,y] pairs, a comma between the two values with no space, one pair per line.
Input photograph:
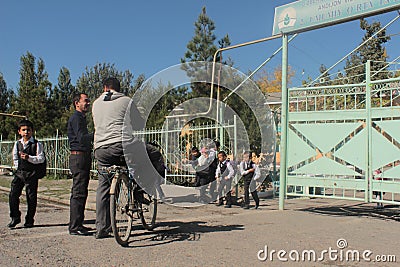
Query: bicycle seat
[115,168]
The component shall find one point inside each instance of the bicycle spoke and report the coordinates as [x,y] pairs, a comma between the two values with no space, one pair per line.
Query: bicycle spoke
[148,211]
[121,219]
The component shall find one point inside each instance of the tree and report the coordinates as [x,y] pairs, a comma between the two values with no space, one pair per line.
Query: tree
[202,48]
[373,50]
[272,82]
[5,98]
[61,100]
[165,104]
[325,78]
[32,94]
[4,95]
[92,79]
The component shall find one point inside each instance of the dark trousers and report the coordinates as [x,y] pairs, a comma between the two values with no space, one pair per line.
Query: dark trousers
[250,186]
[203,181]
[225,185]
[31,186]
[106,157]
[80,169]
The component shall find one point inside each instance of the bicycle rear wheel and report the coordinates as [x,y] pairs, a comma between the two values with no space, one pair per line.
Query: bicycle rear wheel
[120,202]
[148,211]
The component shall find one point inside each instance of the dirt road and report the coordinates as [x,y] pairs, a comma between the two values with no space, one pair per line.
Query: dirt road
[213,236]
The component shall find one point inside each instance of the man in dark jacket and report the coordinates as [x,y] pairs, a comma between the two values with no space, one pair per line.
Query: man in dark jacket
[80,142]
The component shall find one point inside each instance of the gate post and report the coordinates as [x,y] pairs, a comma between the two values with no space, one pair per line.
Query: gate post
[56,156]
[235,155]
[368,170]
[221,126]
[284,125]
[1,146]
[166,147]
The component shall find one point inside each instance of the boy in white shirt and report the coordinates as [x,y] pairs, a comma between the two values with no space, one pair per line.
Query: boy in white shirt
[27,155]
[224,175]
[250,173]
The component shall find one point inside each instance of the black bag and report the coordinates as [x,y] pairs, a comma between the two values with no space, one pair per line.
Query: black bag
[41,168]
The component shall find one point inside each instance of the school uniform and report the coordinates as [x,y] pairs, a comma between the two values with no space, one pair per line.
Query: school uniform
[225,173]
[249,182]
[25,177]
[203,175]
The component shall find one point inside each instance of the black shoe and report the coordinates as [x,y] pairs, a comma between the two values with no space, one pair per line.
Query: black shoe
[28,225]
[246,207]
[14,222]
[81,231]
[219,203]
[102,234]
[228,206]
[256,207]
[86,228]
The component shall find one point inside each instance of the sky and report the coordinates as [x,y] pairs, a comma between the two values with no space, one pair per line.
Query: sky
[146,37]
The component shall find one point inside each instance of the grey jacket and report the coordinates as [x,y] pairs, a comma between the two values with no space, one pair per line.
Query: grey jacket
[111,120]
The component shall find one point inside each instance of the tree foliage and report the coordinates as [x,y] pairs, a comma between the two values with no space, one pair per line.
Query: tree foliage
[202,48]
[33,94]
[167,102]
[49,107]
[61,101]
[373,50]
[91,82]
[270,82]
[6,96]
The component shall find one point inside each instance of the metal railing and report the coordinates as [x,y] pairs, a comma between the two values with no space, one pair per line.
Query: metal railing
[175,143]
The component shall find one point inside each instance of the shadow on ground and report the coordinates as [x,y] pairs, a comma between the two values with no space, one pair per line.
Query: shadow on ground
[390,212]
[168,232]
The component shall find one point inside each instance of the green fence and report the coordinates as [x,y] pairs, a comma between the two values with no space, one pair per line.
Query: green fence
[343,141]
[176,143]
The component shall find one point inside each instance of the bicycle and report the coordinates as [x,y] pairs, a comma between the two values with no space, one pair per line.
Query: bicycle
[127,199]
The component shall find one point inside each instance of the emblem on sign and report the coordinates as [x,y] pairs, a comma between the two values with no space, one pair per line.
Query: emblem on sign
[287,18]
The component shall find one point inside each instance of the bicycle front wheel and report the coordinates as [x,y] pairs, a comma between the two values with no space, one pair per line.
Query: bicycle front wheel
[148,211]
[120,202]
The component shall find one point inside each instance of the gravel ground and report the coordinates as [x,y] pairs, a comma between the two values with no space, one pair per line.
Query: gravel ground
[210,235]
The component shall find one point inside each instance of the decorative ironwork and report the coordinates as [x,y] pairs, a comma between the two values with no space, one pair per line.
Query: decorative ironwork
[176,144]
[337,145]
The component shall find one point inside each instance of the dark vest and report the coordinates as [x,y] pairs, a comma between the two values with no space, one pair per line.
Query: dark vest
[250,174]
[222,168]
[24,165]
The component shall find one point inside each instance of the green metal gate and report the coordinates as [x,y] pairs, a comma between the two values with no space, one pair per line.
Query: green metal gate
[343,141]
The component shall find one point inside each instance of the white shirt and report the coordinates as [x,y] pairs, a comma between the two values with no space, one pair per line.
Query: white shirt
[39,158]
[257,172]
[229,168]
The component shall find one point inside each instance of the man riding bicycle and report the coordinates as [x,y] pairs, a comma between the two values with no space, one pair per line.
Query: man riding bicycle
[109,111]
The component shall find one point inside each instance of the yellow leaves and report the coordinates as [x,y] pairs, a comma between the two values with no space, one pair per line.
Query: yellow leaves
[272,82]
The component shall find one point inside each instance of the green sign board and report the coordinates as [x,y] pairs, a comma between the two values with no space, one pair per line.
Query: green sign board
[304,15]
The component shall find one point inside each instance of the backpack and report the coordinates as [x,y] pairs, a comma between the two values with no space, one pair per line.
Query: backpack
[41,168]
